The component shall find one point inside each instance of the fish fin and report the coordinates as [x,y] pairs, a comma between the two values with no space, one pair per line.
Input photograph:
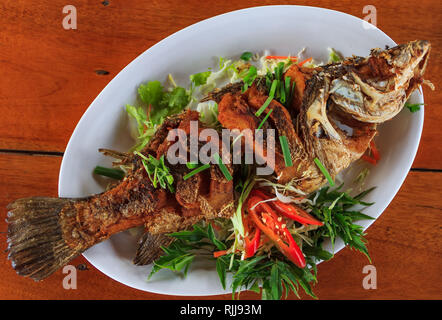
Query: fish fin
[35,239]
[149,248]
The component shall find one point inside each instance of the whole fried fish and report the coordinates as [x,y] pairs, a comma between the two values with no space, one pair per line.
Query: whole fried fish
[333,117]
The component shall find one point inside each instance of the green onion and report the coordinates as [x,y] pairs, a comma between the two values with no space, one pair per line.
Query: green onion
[269,99]
[288,93]
[283,99]
[286,151]
[191,165]
[249,78]
[222,167]
[324,172]
[116,174]
[265,118]
[197,170]
[157,171]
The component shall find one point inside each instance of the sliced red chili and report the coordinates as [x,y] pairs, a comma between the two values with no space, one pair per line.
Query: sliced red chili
[290,211]
[270,224]
[253,244]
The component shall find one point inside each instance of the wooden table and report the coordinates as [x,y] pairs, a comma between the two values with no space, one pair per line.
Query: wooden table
[49,76]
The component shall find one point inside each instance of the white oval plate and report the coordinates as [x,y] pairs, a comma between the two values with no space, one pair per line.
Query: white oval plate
[282,30]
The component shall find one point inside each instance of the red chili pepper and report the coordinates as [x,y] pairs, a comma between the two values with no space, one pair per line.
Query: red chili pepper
[375,151]
[289,211]
[281,58]
[267,220]
[252,245]
[217,254]
[376,156]
[305,61]
[369,159]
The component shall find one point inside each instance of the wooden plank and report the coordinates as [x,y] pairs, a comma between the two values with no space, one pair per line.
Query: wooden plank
[48,73]
[404,243]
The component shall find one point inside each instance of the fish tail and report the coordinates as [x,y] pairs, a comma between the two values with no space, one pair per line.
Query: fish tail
[36,244]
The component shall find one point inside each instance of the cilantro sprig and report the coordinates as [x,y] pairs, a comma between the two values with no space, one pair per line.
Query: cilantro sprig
[158,103]
[413,107]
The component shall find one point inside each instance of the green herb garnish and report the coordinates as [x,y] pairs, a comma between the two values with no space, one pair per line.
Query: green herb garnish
[324,172]
[334,56]
[249,78]
[113,173]
[199,79]
[415,107]
[191,165]
[269,99]
[286,151]
[265,119]
[333,207]
[197,170]
[157,171]
[158,105]
[222,167]
[246,56]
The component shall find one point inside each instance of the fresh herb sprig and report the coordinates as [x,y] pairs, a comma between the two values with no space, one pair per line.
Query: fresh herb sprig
[413,107]
[187,244]
[157,171]
[158,104]
[334,208]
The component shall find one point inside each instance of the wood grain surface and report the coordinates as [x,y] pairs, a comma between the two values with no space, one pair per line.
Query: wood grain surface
[48,77]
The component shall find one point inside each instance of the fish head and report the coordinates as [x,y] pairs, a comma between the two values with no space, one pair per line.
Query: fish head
[376,88]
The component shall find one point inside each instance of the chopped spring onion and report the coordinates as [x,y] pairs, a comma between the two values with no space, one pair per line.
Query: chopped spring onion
[222,167]
[286,151]
[288,92]
[249,77]
[191,165]
[283,94]
[269,99]
[324,172]
[265,119]
[113,173]
[157,171]
[197,170]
